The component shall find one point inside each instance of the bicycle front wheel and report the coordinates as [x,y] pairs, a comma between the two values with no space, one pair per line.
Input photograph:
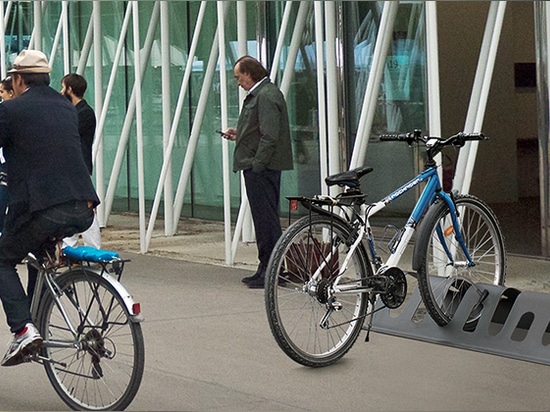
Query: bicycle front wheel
[313,322]
[443,273]
[94,353]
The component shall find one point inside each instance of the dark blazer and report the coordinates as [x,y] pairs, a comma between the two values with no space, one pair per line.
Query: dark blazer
[86,129]
[263,133]
[39,134]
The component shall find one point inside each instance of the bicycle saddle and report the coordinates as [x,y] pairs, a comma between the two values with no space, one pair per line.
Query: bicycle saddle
[349,178]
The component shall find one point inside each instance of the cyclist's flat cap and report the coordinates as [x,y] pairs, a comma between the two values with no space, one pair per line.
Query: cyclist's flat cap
[30,61]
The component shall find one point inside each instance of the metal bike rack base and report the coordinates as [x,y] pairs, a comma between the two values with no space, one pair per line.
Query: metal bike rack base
[513,324]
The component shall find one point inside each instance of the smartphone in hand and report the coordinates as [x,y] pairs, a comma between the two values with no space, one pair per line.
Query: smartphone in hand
[225,135]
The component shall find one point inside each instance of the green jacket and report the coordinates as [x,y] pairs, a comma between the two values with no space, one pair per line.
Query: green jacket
[263,132]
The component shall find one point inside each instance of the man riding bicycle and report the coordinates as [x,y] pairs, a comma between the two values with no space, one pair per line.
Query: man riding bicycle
[50,191]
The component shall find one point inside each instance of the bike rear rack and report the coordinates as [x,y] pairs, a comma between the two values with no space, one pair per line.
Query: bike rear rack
[512,324]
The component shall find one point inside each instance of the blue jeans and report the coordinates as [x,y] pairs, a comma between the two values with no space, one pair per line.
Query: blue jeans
[56,222]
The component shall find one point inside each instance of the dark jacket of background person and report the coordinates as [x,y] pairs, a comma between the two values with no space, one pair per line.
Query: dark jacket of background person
[44,158]
[86,129]
[263,134]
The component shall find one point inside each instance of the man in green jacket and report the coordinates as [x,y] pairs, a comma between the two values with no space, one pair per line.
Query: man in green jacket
[262,150]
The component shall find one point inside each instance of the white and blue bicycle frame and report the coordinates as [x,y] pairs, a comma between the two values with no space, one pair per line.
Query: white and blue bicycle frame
[429,194]
[431,191]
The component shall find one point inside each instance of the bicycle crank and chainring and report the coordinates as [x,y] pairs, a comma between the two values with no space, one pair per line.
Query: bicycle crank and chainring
[395,289]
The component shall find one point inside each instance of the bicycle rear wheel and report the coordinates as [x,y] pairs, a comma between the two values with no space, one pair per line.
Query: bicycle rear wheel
[443,275]
[313,325]
[99,366]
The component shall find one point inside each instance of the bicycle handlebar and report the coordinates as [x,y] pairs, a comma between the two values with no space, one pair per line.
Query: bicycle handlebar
[456,140]
[434,145]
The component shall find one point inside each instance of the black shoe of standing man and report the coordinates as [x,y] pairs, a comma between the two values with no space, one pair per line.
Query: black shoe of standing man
[249,279]
[257,283]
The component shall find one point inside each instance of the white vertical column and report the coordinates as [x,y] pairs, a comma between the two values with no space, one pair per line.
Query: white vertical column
[295,43]
[432,63]
[244,226]
[480,93]
[99,166]
[373,84]
[321,94]
[58,33]
[36,38]
[66,47]
[280,41]
[166,113]
[3,67]
[542,40]
[139,129]
[86,47]
[333,150]
[225,143]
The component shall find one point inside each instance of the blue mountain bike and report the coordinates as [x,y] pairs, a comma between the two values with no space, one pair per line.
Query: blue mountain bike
[326,274]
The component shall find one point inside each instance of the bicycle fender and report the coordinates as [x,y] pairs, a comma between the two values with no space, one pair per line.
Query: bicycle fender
[127,298]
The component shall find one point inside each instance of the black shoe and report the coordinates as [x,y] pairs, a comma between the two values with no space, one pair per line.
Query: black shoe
[257,283]
[249,279]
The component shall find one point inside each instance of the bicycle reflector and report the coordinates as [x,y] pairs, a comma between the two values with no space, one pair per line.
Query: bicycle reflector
[136,308]
[448,231]
[293,204]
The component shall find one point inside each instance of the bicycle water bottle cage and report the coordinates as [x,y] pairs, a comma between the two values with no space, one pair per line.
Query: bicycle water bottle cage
[90,254]
[349,178]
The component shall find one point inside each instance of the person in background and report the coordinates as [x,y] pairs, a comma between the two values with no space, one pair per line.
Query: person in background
[40,139]
[6,89]
[6,93]
[73,87]
[262,150]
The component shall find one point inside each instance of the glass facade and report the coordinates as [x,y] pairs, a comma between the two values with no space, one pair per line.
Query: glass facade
[324,54]
[400,105]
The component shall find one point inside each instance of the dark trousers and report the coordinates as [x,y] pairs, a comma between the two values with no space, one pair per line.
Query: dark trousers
[56,222]
[263,190]
[3,205]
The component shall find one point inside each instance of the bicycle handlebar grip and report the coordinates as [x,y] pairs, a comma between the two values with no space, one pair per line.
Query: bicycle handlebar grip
[392,137]
[474,136]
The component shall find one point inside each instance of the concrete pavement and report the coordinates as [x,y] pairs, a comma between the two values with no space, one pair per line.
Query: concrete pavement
[209,348]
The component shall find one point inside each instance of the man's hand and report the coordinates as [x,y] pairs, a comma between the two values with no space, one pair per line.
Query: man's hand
[230,134]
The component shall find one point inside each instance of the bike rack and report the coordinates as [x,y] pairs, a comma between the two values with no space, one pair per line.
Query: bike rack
[512,324]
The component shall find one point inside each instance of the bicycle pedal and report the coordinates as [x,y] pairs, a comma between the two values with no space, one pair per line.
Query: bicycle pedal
[28,358]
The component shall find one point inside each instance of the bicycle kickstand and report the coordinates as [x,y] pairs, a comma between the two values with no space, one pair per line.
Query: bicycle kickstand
[370,317]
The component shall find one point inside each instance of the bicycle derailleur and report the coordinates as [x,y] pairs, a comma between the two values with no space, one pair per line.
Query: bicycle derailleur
[391,285]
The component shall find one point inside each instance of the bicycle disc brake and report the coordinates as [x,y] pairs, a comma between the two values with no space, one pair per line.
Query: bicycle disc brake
[395,289]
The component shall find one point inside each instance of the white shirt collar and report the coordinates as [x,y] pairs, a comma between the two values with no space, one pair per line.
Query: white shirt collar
[256,85]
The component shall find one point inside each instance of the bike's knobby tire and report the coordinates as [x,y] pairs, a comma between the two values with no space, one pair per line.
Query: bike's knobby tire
[294,310]
[83,383]
[485,243]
